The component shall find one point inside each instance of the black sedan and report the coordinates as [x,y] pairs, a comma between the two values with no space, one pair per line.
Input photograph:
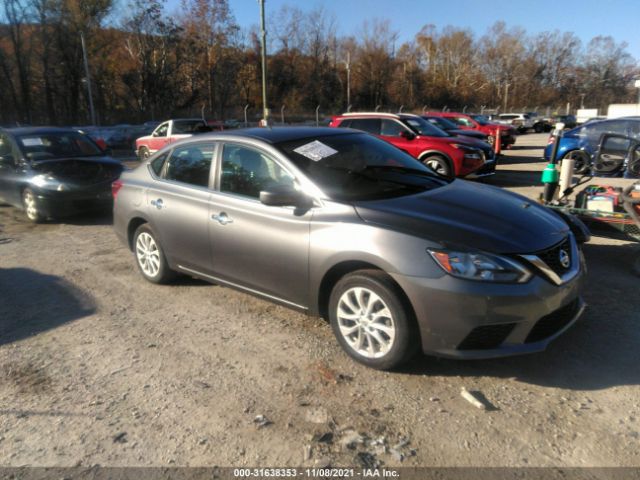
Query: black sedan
[452,129]
[54,172]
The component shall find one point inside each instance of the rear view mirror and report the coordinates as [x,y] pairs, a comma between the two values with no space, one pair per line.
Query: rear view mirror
[613,150]
[407,135]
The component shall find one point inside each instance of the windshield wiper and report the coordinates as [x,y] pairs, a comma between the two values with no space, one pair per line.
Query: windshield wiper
[406,170]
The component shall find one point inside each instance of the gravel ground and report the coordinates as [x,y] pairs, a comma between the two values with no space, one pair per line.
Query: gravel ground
[98,366]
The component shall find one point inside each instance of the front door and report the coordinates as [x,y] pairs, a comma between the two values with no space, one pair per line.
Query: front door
[255,246]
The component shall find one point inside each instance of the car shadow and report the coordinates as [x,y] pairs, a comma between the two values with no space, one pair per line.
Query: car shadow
[514,178]
[100,217]
[599,351]
[518,160]
[33,302]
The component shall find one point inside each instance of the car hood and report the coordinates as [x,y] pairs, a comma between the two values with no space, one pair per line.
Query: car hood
[468,133]
[48,161]
[454,139]
[79,171]
[470,215]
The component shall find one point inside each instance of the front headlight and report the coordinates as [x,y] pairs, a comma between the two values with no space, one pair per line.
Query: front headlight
[48,182]
[480,266]
[469,152]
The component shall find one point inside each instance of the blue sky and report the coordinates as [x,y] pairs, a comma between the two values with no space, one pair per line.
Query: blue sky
[585,18]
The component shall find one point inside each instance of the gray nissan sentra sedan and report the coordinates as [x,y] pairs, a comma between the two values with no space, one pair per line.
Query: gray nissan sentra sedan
[341,224]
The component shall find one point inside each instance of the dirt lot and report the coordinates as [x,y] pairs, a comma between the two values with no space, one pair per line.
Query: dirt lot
[98,366]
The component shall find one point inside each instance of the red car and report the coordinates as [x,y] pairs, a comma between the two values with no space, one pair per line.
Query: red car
[448,155]
[482,124]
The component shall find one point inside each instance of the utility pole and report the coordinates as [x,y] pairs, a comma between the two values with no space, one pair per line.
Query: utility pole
[88,78]
[582,100]
[506,96]
[263,33]
[348,66]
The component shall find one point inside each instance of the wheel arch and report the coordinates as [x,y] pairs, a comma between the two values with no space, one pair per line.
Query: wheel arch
[338,271]
[132,226]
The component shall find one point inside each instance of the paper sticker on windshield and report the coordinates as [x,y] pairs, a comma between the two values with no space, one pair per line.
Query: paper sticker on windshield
[31,141]
[316,150]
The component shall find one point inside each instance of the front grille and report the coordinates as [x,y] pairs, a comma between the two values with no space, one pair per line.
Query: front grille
[552,257]
[553,323]
[486,337]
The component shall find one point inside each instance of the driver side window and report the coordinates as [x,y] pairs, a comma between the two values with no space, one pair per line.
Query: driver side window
[391,128]
[161,131]
[246,172]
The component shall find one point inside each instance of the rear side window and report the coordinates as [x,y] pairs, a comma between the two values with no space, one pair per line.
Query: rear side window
[369,125]
[157,163]
[190,164]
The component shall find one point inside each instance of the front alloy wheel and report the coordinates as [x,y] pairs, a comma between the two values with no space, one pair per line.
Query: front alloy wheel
[439,165]
[31,206]
[372,320]
[366,322]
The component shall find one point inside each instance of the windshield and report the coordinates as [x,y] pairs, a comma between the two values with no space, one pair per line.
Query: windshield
[423,127]
[442,123]
[481,119]
[358,166]
[44,146]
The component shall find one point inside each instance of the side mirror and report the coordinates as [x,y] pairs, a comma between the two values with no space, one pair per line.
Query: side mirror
[407,135]
[613,150]
[154,134]
[282,196]
[7,160]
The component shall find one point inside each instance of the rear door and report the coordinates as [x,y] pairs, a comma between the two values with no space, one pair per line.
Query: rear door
[178,203]
[255,246]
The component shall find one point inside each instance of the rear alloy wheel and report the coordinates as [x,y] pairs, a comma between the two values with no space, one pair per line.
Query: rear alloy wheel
[143,153]
[582,161]
[371,321]
[150,257]
[438,164]
[30,204]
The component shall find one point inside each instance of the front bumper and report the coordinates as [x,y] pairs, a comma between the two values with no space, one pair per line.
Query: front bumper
[474,320]
[63,204]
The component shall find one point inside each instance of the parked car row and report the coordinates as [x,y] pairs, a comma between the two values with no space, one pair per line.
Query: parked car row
[448,155]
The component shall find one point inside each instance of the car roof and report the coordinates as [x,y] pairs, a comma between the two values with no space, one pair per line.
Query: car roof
[38,130]
[278,134]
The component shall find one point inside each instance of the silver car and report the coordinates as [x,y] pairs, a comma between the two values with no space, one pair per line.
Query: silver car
[340,224]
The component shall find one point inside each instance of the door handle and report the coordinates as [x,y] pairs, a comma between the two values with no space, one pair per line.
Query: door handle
[222,218]
[157,203]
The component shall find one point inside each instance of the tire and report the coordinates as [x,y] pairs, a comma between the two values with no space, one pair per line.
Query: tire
[583,162]
[537,128]
[150,257]
[383,341]
[439,164]
[143,154]
[30,205]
